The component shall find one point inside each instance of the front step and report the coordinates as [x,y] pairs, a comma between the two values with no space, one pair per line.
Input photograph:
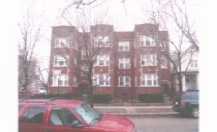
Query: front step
[167,99]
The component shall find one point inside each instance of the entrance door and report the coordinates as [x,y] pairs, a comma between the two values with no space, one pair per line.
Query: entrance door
[165,88]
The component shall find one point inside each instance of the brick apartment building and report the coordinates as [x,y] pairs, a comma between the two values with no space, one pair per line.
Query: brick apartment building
[130,62]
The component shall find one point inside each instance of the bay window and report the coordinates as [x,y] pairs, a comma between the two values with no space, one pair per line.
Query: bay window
[147,41]
[101,79]
[102,60]
[124,81]
[60,80]
[124,63]
[149,80]
[60,60]
[102,40]
[148,59]
[124,46]
[61,42]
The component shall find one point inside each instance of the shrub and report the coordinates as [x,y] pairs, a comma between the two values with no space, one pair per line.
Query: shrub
[102,98]
[48,96]
[151,98]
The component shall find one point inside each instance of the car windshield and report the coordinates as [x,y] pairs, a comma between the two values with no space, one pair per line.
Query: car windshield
[190,95]
[89,115]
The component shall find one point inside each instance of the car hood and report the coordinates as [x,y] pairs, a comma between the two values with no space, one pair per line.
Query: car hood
[116,123]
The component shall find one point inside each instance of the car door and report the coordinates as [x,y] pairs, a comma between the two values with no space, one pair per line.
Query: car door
[61,120]
[32,119]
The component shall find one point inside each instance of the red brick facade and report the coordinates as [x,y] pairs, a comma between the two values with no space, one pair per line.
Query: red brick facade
[134,71]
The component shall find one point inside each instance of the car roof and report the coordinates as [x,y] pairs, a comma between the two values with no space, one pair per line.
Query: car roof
[191,90]
[52,101]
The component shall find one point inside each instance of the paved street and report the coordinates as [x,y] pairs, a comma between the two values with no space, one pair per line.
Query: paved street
[166,123]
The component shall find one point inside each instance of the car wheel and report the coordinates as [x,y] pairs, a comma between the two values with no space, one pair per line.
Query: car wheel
[195,112]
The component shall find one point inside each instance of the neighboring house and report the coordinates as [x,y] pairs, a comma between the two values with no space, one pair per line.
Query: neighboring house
[190,70]
[33,75]
[130,64]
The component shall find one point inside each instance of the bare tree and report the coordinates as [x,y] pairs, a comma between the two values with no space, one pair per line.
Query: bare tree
[29,36]
[172,15]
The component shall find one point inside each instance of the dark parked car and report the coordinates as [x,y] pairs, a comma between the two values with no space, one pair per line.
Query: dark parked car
[187,103]
[61,115]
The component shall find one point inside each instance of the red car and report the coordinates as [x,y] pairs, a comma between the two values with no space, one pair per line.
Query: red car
[58,115]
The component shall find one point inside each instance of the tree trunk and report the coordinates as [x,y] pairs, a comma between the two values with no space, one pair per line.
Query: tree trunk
[91,97]
[180,82]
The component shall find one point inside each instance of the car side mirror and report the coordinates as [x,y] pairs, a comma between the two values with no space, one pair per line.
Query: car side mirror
[77,124]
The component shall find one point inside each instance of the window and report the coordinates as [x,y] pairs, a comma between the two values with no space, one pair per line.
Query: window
[62,116]
[61,42]
[101,79]
[102,60]
[83,55]
[147,41]
[148,60]
[193,63]
[60,80]
[124,46]
[60,60]
[75,45]
[74,81]
[163,62]
[163,46]
[101,41]
[33,115]
[124,81]
[87,114]
[149,80]
[84,70]
[124,63]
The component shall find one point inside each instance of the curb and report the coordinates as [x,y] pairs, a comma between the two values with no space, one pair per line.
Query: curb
[145,114]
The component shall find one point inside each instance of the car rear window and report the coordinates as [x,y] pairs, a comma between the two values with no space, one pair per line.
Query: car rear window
[190,95]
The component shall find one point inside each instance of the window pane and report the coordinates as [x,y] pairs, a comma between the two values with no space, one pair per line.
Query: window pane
[127,65]
[33,115]
[149,82]
[62,116]
[121,65]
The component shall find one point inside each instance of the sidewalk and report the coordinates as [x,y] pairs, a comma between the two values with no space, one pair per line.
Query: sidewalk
[136,110]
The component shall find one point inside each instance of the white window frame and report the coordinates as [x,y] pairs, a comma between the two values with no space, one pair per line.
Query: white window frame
[148,60]
[62,78]
[58,59]
[101,40]
[101,79]
[124,63]
[75,79]
[124,81]
[124,45]
[62,42]
[163,45]
[102,60]
[146,40]
[149,80]
[194,63]
[84,69]
[163,62]
[84,55]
